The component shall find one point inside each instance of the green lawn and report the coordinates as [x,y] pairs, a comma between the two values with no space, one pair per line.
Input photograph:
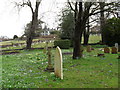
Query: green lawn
[21,41]
[37,45]
[26,70]
[94,38]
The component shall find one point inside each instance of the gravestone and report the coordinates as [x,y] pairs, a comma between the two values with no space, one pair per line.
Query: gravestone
[106,50]
[116,45]
[58,68]
[88,48]
[114,50]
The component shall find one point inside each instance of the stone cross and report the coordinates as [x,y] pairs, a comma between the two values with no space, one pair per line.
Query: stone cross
[116,45]
[49,67]
[58,68]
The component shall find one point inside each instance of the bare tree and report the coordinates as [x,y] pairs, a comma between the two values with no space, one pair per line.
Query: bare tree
[113,8]
[81,15]
[34,20]
[82,11]
[86,33]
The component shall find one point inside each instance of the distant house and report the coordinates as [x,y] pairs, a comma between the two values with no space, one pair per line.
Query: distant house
[46,31]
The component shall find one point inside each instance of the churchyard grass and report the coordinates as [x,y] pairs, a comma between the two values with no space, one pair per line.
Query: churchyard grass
[10,42]
[94,38]
[36,45]
[26,70]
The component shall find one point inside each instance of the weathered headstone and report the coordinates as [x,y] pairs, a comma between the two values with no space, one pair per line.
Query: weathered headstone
[114,50]
[116,45]
[58,68]
[88,48]
[106,50]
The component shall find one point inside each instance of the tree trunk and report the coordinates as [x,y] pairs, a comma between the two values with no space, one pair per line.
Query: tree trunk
[81,16]
[86,37]
[80,22]
[29,42]
[34,23]
[102,21]
[86,33]
[77,37]
[31,32]
[76,51]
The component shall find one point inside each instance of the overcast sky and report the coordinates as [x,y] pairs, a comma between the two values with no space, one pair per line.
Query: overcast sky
[12,22]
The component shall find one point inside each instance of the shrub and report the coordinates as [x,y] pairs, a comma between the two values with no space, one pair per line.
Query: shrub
[112,31]
[63,44]
[15,37]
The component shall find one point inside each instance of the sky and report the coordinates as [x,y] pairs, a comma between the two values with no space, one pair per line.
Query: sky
[12,21]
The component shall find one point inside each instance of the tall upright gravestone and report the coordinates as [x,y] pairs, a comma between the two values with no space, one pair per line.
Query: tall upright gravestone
[58,68]
[117,46]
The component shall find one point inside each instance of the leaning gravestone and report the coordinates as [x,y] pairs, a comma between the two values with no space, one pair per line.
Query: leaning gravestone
[114,50]
[116,45]
[106,50]
[58,68]
[88,48]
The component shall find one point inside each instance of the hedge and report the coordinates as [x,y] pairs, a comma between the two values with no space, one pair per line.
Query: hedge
[63,44]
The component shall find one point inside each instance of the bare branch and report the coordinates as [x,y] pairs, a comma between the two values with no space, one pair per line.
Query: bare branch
[23,3]
[97,10]
[71,6]
[30,5]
